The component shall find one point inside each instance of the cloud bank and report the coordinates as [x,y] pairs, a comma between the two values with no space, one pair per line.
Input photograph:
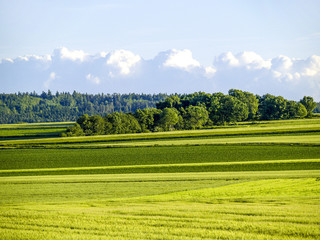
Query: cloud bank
[172,71]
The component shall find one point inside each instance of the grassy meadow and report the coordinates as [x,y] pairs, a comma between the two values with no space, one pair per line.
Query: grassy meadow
[255,180]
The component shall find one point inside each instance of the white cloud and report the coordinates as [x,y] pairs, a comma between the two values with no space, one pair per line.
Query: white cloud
[23,58]
[45,58]
[170,71]
[249,60]
[66,54]
[102,54]
[210,71]
[292,78]
[27,58]
[276,74]
[227,59]
[313,68]
[8,60]
[253,61]
[93,79]
[282,63]
[181,59]
[123,60]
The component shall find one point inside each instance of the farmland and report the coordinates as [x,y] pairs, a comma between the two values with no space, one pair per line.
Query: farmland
[20,131]
[256,180]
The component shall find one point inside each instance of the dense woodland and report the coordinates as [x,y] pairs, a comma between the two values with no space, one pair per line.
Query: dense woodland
[61,107]
[195,111]
[126,113]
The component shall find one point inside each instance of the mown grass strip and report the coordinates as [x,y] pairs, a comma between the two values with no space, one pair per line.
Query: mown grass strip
[304,139]
[160,177]
[162,165]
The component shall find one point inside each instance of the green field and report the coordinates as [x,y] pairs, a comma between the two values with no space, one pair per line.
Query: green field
[248,181]
[32,130]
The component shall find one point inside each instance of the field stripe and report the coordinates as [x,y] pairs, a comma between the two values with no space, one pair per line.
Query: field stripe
[182,176]
[164,165]
[308,139]
[174,134]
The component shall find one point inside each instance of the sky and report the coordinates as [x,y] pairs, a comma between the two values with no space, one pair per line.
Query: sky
[140,45]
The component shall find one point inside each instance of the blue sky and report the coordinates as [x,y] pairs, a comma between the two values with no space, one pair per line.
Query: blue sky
[230,39]
[206,27]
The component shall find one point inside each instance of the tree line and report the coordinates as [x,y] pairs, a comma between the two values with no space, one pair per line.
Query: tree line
[194,111]
[64,106]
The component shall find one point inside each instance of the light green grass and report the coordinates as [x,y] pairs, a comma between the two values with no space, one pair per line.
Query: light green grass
[305,139]
[100,186]
[252,209]
[263,190]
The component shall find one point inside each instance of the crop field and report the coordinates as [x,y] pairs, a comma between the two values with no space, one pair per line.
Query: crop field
[256,180]
[32,130]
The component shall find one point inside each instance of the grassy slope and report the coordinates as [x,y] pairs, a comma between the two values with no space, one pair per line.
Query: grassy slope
[248,208]
[242,203]
[77,188]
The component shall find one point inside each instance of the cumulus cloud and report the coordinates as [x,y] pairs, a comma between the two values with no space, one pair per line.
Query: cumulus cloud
[66,54]
[313,67]
[281,63]
[249,60]
[227,60]
[281,75]
[122,60]
[170,71]
[210,71]
[181,59]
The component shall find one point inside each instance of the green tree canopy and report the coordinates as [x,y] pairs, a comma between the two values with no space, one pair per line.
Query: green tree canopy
[272,107]
[147,118]
[170,102]
[309,104]
[195,117]
[168,119]
[120,123]
[301,110]
[247,98]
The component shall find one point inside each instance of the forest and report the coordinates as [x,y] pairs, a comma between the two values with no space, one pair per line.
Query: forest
[62,107]
[194,111]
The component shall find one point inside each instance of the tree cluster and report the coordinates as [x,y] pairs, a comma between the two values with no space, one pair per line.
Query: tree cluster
[61,107]
[195,111]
